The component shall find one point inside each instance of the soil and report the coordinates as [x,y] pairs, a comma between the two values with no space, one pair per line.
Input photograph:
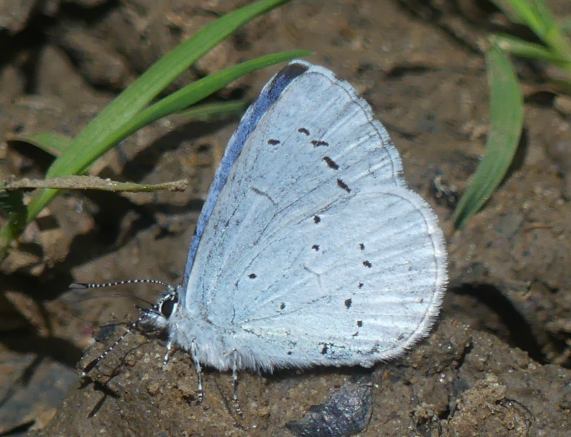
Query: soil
[498,361]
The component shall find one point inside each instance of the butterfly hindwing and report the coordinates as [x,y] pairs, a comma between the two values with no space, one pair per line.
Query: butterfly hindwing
[366,280]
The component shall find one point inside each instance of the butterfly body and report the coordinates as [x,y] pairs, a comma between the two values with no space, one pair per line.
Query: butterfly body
[310,249]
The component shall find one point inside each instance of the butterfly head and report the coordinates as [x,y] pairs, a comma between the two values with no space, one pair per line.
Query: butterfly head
[157,317]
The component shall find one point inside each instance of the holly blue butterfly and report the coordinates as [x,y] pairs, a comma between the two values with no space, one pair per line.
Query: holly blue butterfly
[310,249]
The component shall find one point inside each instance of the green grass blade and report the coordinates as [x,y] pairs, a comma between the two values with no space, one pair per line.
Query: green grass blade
[213,111]
[196,91]
[94,139]
[506,118]
[525,12]
[554,36]
[50,142]
[525,49]
[536,15]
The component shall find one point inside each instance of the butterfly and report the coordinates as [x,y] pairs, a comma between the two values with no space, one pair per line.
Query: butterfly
[310,249]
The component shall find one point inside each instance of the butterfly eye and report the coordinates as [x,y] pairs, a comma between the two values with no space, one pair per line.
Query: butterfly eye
[168,305]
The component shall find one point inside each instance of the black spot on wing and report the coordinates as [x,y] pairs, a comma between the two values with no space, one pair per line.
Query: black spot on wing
[367,264]
[303,130]
[330,163]
[252,276]
[319,143]
[273,142]
[360,323]
[315,247]
[361,246]
[324,348]
[361,285]
[348,303]
[282,306]
[343,185]
[316,219]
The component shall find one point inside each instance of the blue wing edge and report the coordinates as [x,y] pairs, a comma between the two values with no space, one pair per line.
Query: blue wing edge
[268,96]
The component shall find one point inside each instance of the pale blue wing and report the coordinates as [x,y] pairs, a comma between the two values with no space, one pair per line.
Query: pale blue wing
[248,123]
[362,285]
[313,238]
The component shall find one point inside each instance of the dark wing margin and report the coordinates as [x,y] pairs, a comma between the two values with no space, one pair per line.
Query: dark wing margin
[248,123]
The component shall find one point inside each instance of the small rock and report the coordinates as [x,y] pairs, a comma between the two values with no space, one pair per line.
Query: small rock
[347,412]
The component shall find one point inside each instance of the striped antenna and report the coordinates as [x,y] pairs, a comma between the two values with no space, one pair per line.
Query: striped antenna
[84,285]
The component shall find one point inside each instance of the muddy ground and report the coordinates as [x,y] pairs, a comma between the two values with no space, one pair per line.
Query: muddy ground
[498,361]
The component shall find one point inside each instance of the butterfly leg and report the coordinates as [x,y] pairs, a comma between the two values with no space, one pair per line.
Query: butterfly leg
[168,353]
[235,383]
[196,359]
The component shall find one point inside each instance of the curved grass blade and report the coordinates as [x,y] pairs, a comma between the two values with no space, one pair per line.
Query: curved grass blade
[212,111]
[536,15]
[196,91]
[506,118]
[525,12]
[52,143]
[525,49]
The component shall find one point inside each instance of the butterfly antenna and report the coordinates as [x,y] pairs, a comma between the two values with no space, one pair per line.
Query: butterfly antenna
[84,285]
